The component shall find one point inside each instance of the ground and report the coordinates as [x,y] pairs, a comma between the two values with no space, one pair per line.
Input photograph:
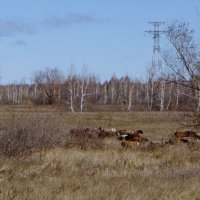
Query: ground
[105,171]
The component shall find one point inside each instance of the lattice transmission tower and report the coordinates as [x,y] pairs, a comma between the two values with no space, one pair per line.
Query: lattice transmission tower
[156,59]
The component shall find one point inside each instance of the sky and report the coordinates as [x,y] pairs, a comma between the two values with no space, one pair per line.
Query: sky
[104,37]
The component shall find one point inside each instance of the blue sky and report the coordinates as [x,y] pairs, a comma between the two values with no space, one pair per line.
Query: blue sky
[106,36]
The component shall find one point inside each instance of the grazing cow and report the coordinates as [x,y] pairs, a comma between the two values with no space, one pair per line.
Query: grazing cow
[126,144]
[130,135]
[140,139]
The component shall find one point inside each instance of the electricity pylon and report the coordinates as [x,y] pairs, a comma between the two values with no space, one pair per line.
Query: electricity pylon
[156,59]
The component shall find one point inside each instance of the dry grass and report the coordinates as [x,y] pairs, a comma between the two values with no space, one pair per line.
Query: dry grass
[61,171]
[170,173]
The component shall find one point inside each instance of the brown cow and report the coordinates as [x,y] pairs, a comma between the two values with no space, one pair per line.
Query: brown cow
[140,139]
[130,135]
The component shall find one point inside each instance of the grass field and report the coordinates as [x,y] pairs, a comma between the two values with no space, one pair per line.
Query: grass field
[62,171]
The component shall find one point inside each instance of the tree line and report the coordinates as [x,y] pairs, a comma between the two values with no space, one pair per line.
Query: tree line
[80,93]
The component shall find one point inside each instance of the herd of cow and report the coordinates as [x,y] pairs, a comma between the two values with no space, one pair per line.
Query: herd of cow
[130,138]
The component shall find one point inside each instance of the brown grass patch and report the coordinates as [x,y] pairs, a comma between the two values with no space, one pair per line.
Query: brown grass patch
[103,174]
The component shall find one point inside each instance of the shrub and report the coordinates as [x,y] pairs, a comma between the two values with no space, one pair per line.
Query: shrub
[28,131]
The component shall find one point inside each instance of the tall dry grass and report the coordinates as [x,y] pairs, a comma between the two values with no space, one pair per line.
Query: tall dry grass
[169,173]
[45,161]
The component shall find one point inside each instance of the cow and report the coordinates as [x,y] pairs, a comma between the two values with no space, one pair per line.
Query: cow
[129,136]
[140,139]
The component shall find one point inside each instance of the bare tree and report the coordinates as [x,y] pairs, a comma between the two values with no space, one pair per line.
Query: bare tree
[113,90]
[126,93]
[49,85]
[183,58]
[95,90]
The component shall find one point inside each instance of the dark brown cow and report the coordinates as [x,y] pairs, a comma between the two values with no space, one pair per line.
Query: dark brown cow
[135,138]
[129,136]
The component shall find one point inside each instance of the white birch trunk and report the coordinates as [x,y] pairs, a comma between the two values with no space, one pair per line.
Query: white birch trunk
[162,96]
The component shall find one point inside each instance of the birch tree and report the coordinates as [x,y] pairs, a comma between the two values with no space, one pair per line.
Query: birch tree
[83,84]
[70,87]
[183,58]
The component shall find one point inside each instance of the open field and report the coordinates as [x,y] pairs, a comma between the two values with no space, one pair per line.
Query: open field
[42,161]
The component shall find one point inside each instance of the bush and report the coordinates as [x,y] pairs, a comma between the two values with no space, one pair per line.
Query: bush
[26,132]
